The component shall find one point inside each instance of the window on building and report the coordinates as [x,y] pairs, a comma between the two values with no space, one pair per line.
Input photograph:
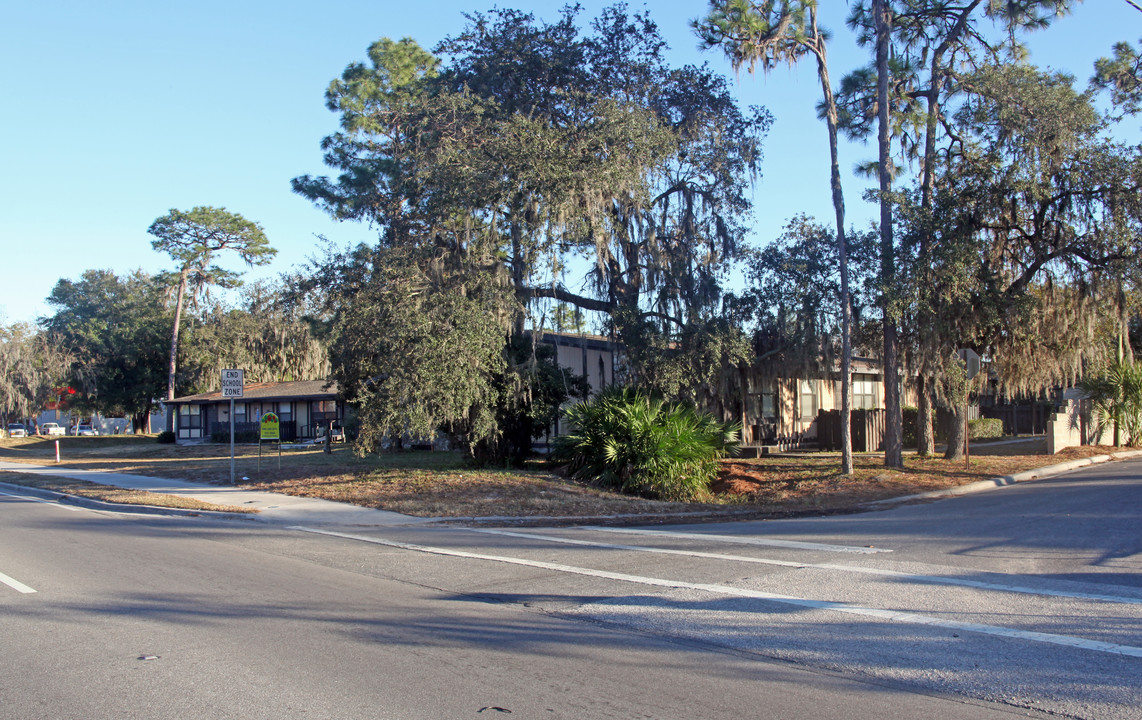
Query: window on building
[285,411]
[761,399]
[190,417]
[769,404]
[239,412]
[761,406]
[864,392]
[808,399]
[322,411]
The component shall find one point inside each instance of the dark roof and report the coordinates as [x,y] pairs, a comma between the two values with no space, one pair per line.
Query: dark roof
[296,390]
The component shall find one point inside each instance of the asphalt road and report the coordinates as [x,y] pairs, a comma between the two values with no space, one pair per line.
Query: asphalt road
[1023,601]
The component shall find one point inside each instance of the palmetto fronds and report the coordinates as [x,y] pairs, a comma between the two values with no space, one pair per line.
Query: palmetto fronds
[639,444]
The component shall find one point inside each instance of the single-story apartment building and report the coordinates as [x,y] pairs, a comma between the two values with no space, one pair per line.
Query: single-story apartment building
[776,405]
[302,406]
[595,357]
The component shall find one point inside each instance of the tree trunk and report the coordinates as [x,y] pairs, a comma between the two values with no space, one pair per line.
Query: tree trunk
[747,432]
[958,432]
[842,252]
[518,265]
[925,435]
[893,422]
[174,348]
[1125,350]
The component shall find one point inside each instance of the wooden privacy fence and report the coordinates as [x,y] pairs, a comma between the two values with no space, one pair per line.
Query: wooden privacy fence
[765,434]
[867,430]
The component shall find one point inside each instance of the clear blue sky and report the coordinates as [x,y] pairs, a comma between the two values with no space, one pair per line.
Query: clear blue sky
[117,111]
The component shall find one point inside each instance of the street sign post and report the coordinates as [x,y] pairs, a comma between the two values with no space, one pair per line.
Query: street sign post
[233,385]
[971,366]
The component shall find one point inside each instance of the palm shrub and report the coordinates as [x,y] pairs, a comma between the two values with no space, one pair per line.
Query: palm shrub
[638,444]
[1116,395]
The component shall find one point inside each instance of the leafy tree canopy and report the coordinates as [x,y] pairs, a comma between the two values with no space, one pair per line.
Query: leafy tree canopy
[538,144]
[792,299]
[194,238]
[521,150]
[419,347]
[261,334]
[1122,76]
[33,370]
[114,327]
[1036,211]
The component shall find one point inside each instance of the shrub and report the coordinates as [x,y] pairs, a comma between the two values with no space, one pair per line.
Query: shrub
[985,428]
[166,437]
[642,445]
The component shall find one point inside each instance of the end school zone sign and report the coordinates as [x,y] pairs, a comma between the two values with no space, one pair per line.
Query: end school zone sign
[232,382]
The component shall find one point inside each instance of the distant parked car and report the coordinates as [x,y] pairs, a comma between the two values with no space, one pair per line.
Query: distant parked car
[51,428]
[17,430]
[86,430]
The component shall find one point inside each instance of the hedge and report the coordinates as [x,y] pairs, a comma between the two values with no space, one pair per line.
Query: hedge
[985,428]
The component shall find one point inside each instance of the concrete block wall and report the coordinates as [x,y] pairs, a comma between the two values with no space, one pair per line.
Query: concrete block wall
[1076,425]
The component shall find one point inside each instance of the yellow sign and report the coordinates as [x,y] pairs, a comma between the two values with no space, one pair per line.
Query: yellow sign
[271,427]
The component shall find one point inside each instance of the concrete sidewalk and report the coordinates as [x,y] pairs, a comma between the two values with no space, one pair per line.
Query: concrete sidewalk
[271,507]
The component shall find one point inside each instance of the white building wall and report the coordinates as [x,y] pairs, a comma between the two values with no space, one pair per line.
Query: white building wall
[1077,424]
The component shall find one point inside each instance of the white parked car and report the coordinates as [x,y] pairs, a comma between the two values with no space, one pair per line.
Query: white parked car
[86,430]
[17,430]
[51,428]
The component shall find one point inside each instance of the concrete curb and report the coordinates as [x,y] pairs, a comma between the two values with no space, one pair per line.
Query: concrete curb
[649,517]
[1025,476]
[130,508]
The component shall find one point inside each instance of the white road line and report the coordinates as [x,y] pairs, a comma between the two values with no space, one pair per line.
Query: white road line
[772,542]
[41,500]
[888,615]
[15,584]
[913,577]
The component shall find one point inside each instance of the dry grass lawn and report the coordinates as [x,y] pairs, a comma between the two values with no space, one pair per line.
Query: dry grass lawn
[434,484]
